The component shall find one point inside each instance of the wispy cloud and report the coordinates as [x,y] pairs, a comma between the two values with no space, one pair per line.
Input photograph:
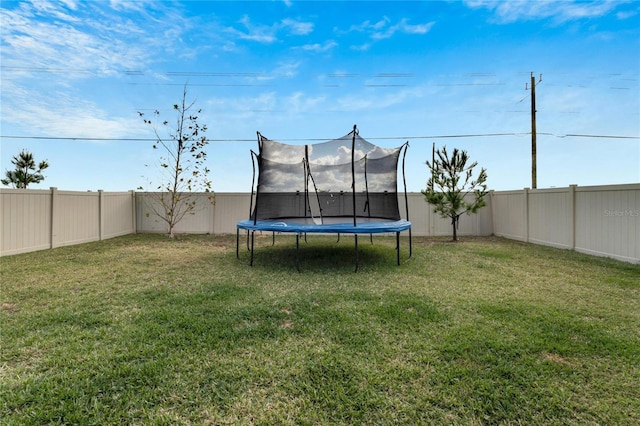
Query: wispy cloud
[47,35]
[54,10]
[268,34]
[627,14]
[255,32]
[297,27]
[286,69]
[50,48]
[300,102]
[384,28]
[371,100]
[402,27]
[361,47]
[319,47]
[368,26]
[560,11]
[63,114]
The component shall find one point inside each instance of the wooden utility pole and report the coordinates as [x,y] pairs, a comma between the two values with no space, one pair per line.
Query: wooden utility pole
[534,165]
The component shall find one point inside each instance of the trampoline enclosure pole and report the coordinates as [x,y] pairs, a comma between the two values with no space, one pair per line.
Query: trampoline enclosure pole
[353,175]
[252,235]
[356,244]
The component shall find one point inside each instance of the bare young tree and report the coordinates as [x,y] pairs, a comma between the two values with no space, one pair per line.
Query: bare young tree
[451,188]
[182,164]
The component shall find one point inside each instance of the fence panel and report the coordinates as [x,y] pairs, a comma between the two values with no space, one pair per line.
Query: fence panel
[598,220]
[117,214]
[25,220]
[40,219]
[199,221]
[509,213]
[76,218]
[551,217]
[228,210]
[607,221]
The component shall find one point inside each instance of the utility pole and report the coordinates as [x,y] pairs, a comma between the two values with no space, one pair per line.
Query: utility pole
[534,165]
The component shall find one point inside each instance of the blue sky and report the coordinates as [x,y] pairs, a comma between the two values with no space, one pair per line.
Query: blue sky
[426,72]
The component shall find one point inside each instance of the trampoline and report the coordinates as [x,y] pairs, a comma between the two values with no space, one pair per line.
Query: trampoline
[343,186]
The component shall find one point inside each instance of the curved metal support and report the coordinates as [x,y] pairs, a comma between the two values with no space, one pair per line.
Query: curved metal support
[404,179]
[254,158]
[253,181]
[315,189]
[353,175]
[406,200]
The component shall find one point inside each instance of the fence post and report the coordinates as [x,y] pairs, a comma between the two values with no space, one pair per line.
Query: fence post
[53,236]
[492,210]
[432,220]
[526,214]
[212,216]
[100,214]
[572,206]
[133,212]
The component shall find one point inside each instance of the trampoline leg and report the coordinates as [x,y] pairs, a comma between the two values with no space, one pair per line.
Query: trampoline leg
[410,243]
[237,243]
[356,244]
[252,238]
[371,238]
[398,246]
[298,251]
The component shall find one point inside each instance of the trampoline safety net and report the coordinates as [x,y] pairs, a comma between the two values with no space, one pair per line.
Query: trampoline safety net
[347,177]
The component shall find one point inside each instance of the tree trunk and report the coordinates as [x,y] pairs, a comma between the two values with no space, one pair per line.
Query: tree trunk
[454,221]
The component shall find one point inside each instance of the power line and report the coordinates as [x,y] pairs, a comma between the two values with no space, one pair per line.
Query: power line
[573,135]
[253,74]
[473,135]
[80,138]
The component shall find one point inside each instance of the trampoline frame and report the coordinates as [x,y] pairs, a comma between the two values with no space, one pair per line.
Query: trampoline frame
[304,226]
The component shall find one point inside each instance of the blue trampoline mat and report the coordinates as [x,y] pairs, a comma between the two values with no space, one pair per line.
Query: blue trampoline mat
[333,225]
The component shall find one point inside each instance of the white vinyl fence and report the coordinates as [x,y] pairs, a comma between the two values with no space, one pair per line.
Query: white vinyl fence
[41,219]
[598,220]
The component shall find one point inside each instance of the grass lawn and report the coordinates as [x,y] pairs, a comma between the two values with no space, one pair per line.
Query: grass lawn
[145,330]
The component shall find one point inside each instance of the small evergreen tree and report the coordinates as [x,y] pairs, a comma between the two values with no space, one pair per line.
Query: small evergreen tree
[451,184]
[182,163]
[25,172]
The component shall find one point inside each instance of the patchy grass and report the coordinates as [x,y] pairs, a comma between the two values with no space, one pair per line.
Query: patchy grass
[146,330]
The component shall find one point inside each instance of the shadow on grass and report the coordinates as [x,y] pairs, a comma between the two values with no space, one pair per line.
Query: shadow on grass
[322,253]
